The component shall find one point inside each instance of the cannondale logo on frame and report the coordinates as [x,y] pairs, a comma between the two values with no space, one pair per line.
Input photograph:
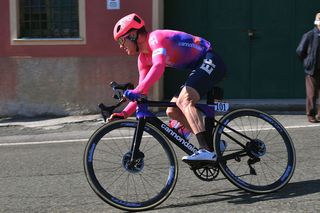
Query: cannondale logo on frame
[178,138]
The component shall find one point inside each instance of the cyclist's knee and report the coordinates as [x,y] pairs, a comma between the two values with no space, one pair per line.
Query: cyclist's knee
[188,97]
[184,103]
[174,113]
[171,112]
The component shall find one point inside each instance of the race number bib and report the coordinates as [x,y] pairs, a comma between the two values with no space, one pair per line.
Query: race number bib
[221,107]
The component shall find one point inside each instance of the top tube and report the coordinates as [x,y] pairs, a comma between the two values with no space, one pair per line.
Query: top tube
[142,109]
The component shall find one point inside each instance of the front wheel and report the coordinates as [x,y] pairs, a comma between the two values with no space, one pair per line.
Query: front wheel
[258,155]
[118,182]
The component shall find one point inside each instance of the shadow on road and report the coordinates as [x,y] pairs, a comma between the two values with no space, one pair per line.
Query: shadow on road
[238,196]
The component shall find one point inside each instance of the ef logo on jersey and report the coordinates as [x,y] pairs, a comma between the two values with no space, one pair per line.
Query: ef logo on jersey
[153,40]
[208,66]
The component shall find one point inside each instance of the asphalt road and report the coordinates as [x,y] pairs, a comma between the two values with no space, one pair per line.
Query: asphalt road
[41,171]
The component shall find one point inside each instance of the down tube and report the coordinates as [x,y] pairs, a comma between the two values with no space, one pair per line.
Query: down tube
[173,136]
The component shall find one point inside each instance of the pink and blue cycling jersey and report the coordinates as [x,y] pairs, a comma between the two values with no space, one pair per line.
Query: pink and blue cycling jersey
[167,48]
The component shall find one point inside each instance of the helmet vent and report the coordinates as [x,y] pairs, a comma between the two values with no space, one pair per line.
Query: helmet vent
[118,28]
[137,19]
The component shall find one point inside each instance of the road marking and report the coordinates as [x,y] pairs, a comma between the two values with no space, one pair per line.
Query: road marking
[60,141]
[302,126]
[250,129]
[42,142]
[117,138]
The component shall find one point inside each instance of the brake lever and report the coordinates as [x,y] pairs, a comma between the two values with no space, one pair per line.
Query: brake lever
[118,90]
[123,87]
[106,111]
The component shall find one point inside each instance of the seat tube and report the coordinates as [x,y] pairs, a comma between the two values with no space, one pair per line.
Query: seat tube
[209,126]
[137,137]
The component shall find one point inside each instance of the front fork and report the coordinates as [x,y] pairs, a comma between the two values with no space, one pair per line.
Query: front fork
[136,154]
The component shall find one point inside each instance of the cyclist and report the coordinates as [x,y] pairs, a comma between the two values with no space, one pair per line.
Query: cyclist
[169,48]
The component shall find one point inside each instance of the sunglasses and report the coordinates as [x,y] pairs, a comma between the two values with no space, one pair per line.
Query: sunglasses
[123,39]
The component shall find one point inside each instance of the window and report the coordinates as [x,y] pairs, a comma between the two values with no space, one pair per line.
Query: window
[47,21]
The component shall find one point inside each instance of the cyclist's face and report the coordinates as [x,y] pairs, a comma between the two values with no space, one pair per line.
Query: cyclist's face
[128,45]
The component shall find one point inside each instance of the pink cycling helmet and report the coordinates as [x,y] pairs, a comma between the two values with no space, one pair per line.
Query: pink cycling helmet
[124,25]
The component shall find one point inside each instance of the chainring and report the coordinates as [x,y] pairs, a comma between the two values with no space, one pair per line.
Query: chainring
[206,172]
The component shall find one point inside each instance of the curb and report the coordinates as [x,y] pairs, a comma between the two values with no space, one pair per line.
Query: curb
[270,105]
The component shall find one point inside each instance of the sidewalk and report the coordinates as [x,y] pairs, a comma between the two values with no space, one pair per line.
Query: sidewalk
[268,105]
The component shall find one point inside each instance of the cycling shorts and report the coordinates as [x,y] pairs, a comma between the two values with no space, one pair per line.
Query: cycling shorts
[206,74]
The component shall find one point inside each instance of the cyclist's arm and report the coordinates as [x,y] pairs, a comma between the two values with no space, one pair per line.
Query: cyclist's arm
[143,70]
[156,71]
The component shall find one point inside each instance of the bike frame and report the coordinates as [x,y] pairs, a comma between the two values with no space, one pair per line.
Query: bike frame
[145,116]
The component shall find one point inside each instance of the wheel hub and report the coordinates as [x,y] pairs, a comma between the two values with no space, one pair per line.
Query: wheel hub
[134,166]
[257,148]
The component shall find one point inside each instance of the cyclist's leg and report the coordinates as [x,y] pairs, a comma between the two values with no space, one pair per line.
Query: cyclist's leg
[199,82]
[186,102]
[176,114]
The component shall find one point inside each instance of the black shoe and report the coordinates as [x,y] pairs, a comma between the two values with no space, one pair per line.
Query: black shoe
[312,119]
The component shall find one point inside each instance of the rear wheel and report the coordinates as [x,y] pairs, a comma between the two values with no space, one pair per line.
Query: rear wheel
[259,156]
[131,187]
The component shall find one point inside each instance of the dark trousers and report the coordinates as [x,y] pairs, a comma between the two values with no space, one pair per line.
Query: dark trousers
[313,92]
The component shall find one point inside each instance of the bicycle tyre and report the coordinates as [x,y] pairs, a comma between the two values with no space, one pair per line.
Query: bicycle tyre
[276,165]
[104,158]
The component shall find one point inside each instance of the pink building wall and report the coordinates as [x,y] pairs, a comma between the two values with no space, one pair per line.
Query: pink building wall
[66,79]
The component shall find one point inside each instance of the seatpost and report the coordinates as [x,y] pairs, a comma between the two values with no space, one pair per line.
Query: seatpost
[209,126]
[215,94]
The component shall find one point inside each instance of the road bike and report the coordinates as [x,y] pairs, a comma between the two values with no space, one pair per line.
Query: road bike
[131,165]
